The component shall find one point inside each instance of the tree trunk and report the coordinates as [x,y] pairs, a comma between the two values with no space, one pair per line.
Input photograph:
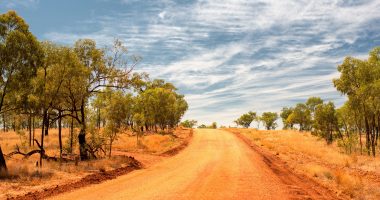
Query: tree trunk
[30,129]
[42,137]
[367,142]
[60,134]
[82,136]
[14,124]
[373,148]
[4,124]
[33,131]
[71,134]
[110,147]
[361,142]
[3,165]
[46,124]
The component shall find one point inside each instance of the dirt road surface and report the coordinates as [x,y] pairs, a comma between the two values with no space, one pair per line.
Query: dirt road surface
[215,165]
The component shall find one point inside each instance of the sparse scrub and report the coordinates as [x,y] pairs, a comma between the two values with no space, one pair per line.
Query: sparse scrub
[319,172]
[353,186]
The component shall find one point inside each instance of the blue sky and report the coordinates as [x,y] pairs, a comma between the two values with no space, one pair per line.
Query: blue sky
[227,57]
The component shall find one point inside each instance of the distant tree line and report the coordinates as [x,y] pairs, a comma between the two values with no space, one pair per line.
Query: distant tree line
[267,118]
[83,87]
[189,123]
[356,124]
[213,125]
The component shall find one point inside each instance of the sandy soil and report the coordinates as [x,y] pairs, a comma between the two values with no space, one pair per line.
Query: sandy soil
[215,165]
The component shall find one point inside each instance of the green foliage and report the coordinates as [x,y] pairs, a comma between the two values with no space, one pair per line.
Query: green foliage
[246,119]
[68,147]
[214,125]
[359,80]
[285,113]
[189,123]
[326,121]
[313,102]
[269,120]
[20,56]
[202,126]
[301,115]
[161,105]
[349,144]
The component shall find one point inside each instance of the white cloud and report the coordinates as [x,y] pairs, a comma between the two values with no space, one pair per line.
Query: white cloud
[11,4]
[261,54]
[162,14]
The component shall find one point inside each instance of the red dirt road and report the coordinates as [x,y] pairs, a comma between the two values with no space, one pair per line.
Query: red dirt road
[215,165]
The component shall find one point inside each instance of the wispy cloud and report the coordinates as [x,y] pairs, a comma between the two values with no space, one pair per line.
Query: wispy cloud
[11,4]
[231,56]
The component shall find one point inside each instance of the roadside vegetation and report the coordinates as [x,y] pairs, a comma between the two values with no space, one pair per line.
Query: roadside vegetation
[268,119]
[350,176]
[334,146]
[189,123]
[355,126]
[71,104]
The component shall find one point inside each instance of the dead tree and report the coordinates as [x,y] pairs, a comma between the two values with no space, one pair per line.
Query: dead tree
[40,151]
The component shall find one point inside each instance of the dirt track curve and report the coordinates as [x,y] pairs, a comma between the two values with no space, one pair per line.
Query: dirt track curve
[215,165]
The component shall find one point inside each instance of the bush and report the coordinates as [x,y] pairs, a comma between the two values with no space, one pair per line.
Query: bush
[349,144]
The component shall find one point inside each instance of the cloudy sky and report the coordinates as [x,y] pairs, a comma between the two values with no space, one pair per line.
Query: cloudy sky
[226,56]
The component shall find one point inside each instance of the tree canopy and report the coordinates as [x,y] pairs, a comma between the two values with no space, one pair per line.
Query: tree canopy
[269,120]
[246,119]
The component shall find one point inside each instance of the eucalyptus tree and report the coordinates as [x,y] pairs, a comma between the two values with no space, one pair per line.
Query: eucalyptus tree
[101,69]
[350,123]
[161,107]
[285,113]
[19,58]
[359,80]
[312,103]
[326,121]
[246,119]
[49,86]
[269,120]
[301,115]
[20,55]
[189,123]
[117,112]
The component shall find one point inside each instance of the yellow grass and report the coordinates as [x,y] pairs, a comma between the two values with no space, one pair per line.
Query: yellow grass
[151,143]
[353,175]
[30,178]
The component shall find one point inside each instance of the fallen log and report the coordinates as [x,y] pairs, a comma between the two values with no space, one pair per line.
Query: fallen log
[39,151]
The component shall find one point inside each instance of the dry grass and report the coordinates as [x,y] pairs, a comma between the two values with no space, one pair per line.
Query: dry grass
[354,175]
[152,143]
[25,176]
